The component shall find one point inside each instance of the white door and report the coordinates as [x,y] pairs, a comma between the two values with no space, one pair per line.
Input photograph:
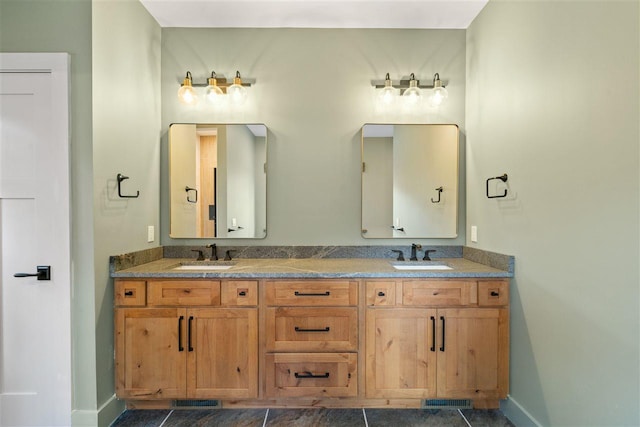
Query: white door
[35,315]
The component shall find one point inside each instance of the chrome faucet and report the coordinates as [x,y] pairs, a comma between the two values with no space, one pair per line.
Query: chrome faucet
[214,252]
[414,249]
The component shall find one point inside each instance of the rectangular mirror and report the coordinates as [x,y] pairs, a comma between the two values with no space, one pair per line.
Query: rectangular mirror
[409,181]
[218,180]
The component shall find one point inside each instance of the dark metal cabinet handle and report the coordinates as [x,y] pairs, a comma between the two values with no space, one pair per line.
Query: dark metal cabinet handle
[180,347]
[442,318]
[298,329]
[302,294]
[128,293]
[189,334]
[495,294]
[380,294]
[242,293]
[43,272]
[433,333]
[310,375]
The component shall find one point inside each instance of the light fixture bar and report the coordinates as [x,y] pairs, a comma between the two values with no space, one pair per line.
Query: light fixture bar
[222,82]
[401,84]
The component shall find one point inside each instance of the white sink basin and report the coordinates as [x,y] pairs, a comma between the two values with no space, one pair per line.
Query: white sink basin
[421,267]
[208,267]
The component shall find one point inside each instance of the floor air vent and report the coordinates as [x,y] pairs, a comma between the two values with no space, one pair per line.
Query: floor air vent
[209,404]
[447,404]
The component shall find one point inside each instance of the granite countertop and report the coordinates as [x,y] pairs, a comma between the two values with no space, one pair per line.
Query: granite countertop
[309,268]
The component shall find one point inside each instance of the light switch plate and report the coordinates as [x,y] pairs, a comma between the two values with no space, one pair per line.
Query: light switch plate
[474,233]
[150,234]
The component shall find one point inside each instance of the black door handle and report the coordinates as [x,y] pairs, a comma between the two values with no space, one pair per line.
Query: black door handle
[442,348]
[180,347]
[43,273]
[190,347]
[433,333]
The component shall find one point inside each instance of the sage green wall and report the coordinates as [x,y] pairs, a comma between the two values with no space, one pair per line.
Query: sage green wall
[313,91]
[65,26]
[553,100]
[126,129]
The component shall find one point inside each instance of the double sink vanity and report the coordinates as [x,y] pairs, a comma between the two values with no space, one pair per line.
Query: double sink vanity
[352,326]
[347,327]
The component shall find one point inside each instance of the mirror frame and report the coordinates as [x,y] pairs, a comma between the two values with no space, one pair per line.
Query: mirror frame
[457,185]
[266,178]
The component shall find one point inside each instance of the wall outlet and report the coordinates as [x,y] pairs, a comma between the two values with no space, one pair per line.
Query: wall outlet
[151,234]
[474,233]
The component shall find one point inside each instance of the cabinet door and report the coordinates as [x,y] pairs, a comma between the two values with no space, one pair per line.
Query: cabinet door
[401,353]
[150,353]
[473,359]
[222,346]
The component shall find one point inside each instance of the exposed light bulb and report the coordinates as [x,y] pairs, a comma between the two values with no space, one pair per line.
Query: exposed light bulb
[413,95]
[439,94]
[236,92]
[388,94]
[213,93]
[186,93]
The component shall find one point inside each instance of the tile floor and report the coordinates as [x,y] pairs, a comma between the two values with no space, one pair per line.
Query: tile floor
[312,418]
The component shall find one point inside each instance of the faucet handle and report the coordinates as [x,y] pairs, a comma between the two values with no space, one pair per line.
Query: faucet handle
[200,254]
[227,256]
[400,254]
[426,254]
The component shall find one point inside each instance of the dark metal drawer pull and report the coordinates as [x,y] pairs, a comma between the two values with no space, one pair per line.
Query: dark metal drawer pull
[495,294]
[180,347]
[433,333]
[302,294]
[380,294]
[128,293]
[298,329]
[310,375]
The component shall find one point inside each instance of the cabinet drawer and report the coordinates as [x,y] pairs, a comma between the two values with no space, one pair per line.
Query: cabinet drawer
[183,292]
[312,329]
[239,293]
[130,293]
[312,293]
[440,292]
[381,293]
[493,293]
[311,375]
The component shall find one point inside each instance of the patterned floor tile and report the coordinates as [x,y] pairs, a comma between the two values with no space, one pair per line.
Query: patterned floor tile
[141,418]
[414,418]
[315,418]
[486,418]
[216,417]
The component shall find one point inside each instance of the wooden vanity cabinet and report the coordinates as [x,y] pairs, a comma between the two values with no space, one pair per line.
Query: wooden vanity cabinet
[311,332]
[437,339]
[183,343]
[312,342]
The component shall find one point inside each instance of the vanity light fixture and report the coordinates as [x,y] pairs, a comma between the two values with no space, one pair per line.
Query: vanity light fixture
[413,95]
[213,93]
[237,93]
[410,90]
[388,93]
[217,89]
[186,93]
[439,94]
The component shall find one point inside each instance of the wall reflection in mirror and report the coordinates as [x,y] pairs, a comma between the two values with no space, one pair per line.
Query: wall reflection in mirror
[218,180]
[409,181]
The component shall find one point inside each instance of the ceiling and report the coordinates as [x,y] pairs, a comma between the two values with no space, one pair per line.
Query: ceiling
[420,14]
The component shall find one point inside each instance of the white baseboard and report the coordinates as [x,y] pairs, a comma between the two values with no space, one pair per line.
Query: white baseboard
[103,417]
[517,414]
